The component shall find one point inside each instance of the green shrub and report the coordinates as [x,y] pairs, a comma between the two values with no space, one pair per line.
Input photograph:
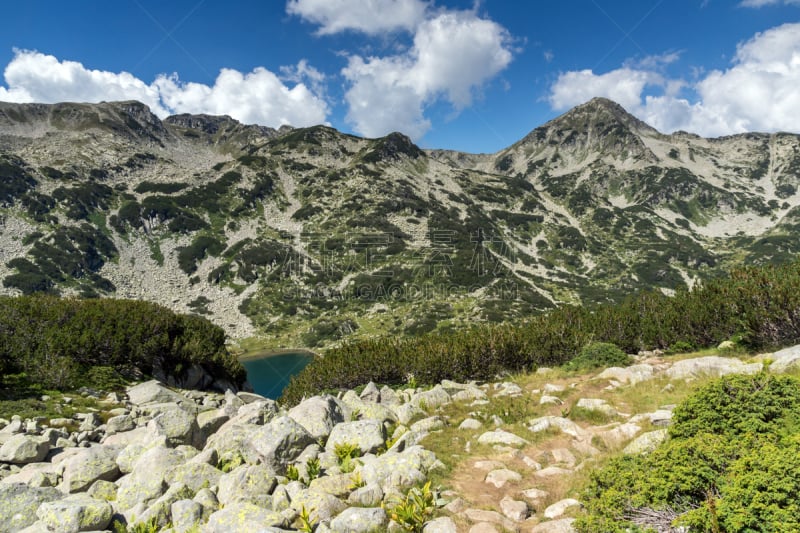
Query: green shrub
[58,341]
[599,355]
[731,464]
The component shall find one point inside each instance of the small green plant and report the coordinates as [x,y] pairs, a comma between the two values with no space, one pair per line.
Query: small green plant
[292,473]
[411,381]
[413,511]
[680,347]
[355,415]
[312,468]
[151,526]
[228,463]
[391,441]
[348,464]
[357,481]
[306,523]
[346,450]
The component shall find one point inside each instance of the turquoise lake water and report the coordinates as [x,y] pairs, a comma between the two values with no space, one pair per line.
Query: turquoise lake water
[270,374]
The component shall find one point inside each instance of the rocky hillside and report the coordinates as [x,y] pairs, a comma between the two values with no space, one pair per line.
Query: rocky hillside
[513,455]
[305,236]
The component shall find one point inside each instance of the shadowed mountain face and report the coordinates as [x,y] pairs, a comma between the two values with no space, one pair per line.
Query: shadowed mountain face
[304,236]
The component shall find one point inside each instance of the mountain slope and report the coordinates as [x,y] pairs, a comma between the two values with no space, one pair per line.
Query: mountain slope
[304,236]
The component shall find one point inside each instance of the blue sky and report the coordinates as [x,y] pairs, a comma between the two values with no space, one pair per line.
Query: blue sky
[472,76]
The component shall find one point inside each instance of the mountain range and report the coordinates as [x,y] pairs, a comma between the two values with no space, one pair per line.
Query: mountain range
[304,236]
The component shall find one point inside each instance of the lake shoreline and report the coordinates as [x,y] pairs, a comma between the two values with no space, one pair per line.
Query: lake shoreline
[253,355]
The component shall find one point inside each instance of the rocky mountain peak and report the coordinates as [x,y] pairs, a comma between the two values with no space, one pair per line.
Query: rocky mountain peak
[214,124]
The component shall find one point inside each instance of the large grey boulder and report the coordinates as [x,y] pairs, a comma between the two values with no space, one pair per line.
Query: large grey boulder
[431,399]
[23,449]
[353,405]
[318,415]
[234,441]
[368,435]
[185,514]
[243,518]
[19,502]
[280,442]
[785,359]
[177,425]
[147,481]
[563,525]
[90,465]
[711,366]
[152,392]
[565,425]
[120,423]
[320,505]
[208,422]
[194,475]
[251,484]
[397,471]
[78,512]
[360,520]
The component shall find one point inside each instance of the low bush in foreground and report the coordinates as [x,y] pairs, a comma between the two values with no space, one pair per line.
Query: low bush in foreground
[759,305]
[732,463]
[56,342]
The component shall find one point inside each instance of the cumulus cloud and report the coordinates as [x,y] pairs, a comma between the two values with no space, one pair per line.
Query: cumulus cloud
[36,77]
[368,16]
[757,93]
[258,97]
[453,54]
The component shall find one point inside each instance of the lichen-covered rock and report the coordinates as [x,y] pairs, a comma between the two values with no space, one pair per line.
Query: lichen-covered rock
[23,449]
[368,435]
[367,496]
[118,424]
[565,425]
[158,512]
[178,425]
[252,484]
[337,484]
[88,466]
[280,442]
[431,399]
[318,415]
[558,509]
[194,475]
[502,437]
[563,525]
[77,512]
[360,520]
[243,518]
[444,524]
[185,514]
[320,506]
[234,441]
[646,442]
[19,502]
[398,471]
[152,392]
[103,490]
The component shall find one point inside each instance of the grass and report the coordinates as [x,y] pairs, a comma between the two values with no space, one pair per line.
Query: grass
[20,396]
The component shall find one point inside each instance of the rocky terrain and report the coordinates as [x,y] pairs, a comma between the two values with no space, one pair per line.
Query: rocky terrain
[306,236]
[510,453]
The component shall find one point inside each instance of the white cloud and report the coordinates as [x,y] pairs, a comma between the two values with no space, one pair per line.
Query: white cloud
[757,93]
[368,16]
[762,3]
[258,97]
[453,55]
[35,77]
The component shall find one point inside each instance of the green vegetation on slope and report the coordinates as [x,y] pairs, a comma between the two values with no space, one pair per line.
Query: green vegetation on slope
[732,464]
[760,306]
[55,341]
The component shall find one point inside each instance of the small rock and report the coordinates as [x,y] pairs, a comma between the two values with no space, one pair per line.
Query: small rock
[470,424]
[514,509]
[360,520]
[502,437]
[563,525]
[551,387]
[78,512]
[550,400]
[444,524]
[560,507]
[499,478]
[491,517]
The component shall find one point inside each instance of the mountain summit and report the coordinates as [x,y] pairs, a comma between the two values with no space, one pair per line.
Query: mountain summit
[308,235]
